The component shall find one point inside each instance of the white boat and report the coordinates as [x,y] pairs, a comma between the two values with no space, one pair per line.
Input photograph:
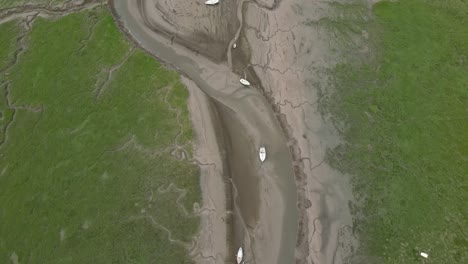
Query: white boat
[234,45]
[239,255]
[424,255]
[262,153]
[244,82]
[211,2]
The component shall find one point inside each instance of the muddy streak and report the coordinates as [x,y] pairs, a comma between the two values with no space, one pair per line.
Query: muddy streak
[268,214]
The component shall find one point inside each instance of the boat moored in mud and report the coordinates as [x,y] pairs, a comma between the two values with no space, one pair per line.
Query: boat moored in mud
[239,255]
[244,82]
[211,2]
[262,153]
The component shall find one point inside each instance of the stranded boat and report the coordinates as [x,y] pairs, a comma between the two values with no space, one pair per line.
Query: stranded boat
[244,82]
[211,2]
[262,153]
[239,255]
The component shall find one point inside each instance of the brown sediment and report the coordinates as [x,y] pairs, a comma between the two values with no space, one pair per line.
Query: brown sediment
[294,207]
[264,218]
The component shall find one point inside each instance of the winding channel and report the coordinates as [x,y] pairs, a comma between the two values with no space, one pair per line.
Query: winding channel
[265,196]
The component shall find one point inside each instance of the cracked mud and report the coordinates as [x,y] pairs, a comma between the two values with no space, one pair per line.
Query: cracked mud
[285,210]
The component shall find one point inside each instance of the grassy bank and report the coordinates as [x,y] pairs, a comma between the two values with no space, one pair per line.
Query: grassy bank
[86,165]
[15,3]
[404,118]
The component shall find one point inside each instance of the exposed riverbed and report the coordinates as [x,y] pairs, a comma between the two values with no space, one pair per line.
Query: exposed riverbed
[292,208]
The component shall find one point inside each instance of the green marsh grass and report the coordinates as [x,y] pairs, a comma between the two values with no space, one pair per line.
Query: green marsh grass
[81,174]
[406,128]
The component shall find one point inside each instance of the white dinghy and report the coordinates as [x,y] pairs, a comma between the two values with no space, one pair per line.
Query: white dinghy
[262,153]
[211,2]
[244,82]
[239,255]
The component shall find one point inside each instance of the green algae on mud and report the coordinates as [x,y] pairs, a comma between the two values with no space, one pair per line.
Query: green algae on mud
[8,34]
[404,120]
[88,173]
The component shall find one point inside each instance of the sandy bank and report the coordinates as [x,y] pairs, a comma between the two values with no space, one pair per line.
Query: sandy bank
[211,243]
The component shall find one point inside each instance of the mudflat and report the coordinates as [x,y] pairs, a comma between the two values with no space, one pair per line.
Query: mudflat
[293,207]
[265,215]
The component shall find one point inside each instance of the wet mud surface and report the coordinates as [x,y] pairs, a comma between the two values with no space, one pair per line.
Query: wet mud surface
[189,23]
[294,207]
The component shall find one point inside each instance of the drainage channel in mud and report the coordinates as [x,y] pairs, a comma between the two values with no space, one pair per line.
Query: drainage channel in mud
[265,214]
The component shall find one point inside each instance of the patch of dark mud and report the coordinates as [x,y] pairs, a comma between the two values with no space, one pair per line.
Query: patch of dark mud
[206,30]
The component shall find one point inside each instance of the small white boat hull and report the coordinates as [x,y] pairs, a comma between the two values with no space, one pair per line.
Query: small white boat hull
[244,82]
[211,2]
[239,255]
[262,153]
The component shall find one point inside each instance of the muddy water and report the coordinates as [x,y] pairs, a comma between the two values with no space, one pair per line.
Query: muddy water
[265,212]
